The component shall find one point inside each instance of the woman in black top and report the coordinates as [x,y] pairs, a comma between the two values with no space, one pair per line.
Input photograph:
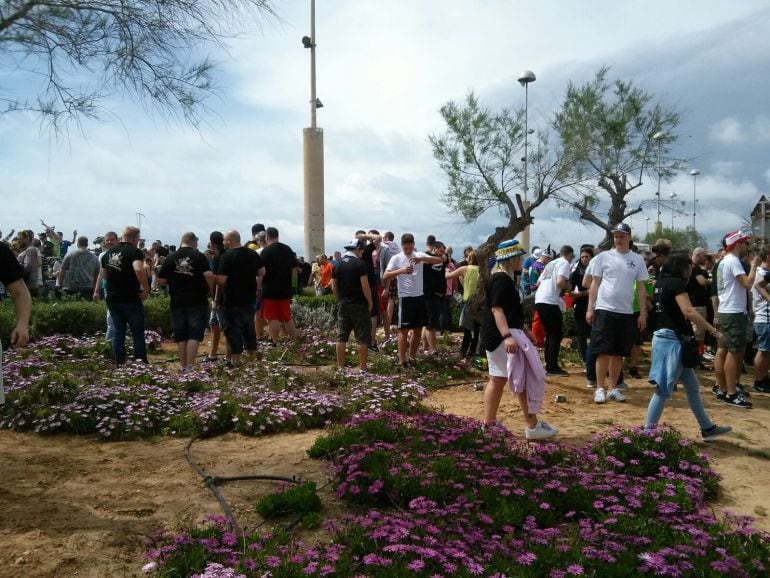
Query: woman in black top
[504,312]
[674,313]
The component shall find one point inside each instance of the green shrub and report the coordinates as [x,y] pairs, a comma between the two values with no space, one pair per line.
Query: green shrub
[290,499]
[316,301]
[67,317]
[157,314]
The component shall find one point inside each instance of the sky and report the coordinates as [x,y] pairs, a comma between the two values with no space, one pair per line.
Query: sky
[384,69]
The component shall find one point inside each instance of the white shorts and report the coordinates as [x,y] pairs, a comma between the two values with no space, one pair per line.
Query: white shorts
[497,361]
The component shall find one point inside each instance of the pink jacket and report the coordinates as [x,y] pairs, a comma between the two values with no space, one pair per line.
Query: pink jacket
[526,372]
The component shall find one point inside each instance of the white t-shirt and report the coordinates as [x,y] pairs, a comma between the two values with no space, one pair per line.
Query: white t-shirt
[732,295]
[548,291]
[408,285]
[618,271]
[761,307]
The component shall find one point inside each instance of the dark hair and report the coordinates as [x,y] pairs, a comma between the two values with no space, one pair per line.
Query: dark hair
[257,228]
[566,250]
[407,238]
[661,250]
[272,233]
[388,236]
[438,245]
[217,240]
[430,239]
[587,249]
[676,265]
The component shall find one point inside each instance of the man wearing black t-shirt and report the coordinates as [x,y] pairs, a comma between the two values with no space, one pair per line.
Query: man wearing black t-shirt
[239,278]
[277,291]
[12,278]
[373,241]
[698,291]
[434,289]
[190,281]
[127,287]
[350,285]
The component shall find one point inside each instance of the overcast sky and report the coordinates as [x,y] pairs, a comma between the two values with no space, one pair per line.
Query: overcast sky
[384,70]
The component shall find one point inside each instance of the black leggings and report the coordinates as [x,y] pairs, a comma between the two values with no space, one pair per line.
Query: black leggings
[551,318]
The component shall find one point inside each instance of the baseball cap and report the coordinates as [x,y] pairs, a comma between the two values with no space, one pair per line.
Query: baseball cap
[621,228]
[508,250]
[537,252]
[354,245]
[732,239]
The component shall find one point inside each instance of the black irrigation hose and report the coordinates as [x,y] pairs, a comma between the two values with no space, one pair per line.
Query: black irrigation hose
[213,481]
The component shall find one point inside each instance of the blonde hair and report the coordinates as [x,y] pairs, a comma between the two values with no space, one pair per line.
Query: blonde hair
[131,233]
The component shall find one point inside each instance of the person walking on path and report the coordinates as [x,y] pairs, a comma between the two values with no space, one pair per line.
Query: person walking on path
[511,356]
[675,316]
[554,281]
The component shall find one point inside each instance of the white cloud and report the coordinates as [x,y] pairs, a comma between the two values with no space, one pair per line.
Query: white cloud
[761,128]
[728,130]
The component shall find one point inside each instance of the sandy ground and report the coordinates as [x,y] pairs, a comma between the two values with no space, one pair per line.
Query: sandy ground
[73,506]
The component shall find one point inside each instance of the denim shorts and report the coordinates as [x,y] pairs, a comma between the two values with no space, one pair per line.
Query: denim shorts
[733,326]
[189,322]
[763,336]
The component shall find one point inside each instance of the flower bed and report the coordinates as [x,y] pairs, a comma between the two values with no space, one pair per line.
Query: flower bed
[441,498]
[68,384]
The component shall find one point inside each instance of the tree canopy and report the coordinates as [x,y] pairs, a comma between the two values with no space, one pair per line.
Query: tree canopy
[612,135]
[481,154]
[65,56]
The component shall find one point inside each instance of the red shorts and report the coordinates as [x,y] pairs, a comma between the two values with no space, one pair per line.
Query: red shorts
[276,309]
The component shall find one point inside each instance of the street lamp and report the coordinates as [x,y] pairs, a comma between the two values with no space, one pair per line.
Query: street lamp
[524,79]
[694,173]
[647,219]
[313,159]
[658,137]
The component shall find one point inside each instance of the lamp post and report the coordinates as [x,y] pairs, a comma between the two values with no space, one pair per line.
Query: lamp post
[139,220]
[658,137]
[313,159]
[694,173]
[524,79]
[647,219]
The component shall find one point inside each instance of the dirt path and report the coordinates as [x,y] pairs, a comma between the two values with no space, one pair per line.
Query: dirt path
[73,506]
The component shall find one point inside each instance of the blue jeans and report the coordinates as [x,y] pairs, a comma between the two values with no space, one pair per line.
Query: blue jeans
[662,340]
[127,315]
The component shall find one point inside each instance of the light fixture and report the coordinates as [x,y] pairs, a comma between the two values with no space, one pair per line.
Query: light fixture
[307,42]
[694,174]
[318,103]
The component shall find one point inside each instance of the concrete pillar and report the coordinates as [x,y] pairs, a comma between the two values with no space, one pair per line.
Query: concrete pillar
[313,157]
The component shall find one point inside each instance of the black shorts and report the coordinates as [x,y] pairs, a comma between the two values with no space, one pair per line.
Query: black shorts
[639,334]
[412,312]
[354,317]
[613,333]
[189,322]
[239,329]
[433,306]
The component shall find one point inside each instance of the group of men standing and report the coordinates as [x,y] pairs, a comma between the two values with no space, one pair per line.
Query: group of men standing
[247,283]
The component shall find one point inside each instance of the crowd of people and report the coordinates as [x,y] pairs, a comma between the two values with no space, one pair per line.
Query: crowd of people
[695,307]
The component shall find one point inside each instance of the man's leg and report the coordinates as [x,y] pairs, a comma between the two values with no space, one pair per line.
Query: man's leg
[602,368]
[191,351]
[615,365]
[403,334]
[719,368]
[414,344]
[181,347]
[135,320]
[733,363]
[363,355]
[118,317]
[274,329]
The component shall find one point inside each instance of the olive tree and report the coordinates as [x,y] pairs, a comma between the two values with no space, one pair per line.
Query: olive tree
[612,136]
[62,58]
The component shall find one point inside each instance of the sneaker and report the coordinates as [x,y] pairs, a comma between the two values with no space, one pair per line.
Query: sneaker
[558,372]
[714,432]
[210,358]
[761,387]
[600,396]
[374,347]
[634,373]
[737,400]
[623,386]
[407,364]
[741,390]
[616,394]
[708,356]
[540,432]
[715,390]
[591,384]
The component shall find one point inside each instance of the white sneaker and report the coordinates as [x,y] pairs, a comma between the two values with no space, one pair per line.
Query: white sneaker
[622,386]
[708,356]
[617,395]
[540,432]
[600,396]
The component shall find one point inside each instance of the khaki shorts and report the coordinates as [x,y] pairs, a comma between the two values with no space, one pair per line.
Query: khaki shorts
[734,326]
